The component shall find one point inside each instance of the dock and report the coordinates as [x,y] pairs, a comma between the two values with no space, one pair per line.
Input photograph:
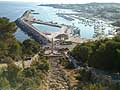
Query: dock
[32,32]
[25,24]
[46,23]
[26,21]
[28,28]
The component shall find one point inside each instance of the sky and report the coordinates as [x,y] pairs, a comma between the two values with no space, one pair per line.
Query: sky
[68,1]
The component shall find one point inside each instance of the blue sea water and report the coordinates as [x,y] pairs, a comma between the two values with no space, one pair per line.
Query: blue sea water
[49,14]
[14,10]
[45,28]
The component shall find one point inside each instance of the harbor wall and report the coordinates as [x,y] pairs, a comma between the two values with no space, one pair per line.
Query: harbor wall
[32,31]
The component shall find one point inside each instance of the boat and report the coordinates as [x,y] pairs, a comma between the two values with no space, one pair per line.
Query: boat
[35,13]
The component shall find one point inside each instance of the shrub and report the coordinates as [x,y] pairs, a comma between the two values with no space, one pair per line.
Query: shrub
[94,87]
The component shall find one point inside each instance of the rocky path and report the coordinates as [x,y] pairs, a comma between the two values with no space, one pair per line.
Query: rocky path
[57,80]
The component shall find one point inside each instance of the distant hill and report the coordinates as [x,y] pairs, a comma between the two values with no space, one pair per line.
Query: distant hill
[110,11]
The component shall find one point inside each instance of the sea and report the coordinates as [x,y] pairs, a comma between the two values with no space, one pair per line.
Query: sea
[14,10]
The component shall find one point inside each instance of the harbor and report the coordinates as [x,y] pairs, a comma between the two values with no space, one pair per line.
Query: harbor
[81,21]
[73,32]
[25,22]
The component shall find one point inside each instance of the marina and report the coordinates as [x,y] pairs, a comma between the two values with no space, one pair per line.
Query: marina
[61,31]
[88,26]
[25,23]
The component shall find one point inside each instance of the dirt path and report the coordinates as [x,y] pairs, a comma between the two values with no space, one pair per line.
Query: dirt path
[57,80]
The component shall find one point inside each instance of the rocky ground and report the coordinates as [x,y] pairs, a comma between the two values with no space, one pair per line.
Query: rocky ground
[57,79]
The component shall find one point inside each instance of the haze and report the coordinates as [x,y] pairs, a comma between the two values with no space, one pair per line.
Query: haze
[67,1]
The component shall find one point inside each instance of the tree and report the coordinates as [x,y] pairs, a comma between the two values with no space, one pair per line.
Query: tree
[102,54]
[11,74]
[30,47]
[81,53]
[15,49]
[6,26]
[9,46]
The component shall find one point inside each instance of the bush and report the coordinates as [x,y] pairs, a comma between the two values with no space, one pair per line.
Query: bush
[30,47]
[94,87]
[29,72]
[101,54]
[69,65]
[84,75]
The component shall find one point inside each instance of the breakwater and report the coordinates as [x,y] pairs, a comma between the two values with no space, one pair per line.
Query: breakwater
[28,28]
[47,23]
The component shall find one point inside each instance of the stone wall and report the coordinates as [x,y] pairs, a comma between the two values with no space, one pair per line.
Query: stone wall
[32,32]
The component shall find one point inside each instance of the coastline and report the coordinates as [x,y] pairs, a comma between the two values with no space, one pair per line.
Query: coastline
[66,29]
[102,27]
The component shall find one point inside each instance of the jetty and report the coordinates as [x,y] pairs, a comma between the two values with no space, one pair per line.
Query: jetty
[26,21]
[25,24]
[32,31]
[46,23]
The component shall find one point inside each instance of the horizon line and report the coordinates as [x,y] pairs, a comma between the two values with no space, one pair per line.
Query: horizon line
[58,3]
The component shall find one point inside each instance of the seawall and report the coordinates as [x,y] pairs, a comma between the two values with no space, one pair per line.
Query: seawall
[32,31]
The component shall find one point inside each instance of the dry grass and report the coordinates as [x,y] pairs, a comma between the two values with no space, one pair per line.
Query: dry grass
[72,73]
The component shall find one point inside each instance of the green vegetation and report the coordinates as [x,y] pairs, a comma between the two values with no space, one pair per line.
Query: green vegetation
[84,75]
[30,78]
[94,87]
[13,77]
[66,63]
[89,82]
[102,54]
[30,47]
[10,47]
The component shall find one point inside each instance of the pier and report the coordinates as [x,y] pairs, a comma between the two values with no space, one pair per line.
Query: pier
[25,23]
[46,23]
[32,31]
